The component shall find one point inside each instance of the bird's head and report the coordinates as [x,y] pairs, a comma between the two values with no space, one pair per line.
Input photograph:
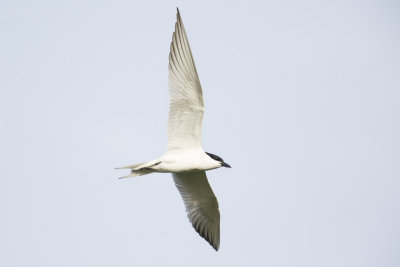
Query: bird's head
[219,159]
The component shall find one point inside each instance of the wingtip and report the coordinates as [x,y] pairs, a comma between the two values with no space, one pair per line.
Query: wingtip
[215,247]
[213,240]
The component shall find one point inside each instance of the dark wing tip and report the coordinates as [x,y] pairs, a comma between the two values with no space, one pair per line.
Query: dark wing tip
[212,240]
[210,230]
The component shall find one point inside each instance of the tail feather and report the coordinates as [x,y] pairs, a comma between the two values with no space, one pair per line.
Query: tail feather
[136,173]
[133,166]
[140,169]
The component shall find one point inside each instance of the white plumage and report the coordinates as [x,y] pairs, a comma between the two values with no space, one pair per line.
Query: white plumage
[185,157]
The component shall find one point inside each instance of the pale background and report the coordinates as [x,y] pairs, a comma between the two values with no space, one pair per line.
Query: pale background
[302,99]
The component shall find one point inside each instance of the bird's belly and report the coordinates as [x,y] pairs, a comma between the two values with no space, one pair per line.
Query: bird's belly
[185,164]
[179,167]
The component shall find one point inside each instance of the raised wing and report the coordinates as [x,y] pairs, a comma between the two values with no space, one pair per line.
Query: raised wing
[186,105]
[201,204]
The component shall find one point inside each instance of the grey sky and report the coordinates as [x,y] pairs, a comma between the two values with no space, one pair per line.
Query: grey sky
[302,99]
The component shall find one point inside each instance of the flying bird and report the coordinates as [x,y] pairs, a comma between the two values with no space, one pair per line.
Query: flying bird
[185,157]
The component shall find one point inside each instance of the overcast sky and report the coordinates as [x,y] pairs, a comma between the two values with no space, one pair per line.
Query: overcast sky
[302,99]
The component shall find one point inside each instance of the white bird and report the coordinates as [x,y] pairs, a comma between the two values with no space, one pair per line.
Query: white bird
[185,157]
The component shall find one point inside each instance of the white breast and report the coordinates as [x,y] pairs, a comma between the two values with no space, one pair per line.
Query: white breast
[186,160]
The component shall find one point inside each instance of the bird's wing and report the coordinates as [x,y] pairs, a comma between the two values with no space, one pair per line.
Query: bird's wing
[201,204]
[186,105]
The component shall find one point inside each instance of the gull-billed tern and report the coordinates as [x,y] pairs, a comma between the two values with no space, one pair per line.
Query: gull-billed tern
[185,157]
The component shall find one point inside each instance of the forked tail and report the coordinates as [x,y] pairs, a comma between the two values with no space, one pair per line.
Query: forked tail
[140,169]
[135,173]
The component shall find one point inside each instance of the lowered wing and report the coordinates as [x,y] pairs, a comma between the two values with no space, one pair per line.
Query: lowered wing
[201,204]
